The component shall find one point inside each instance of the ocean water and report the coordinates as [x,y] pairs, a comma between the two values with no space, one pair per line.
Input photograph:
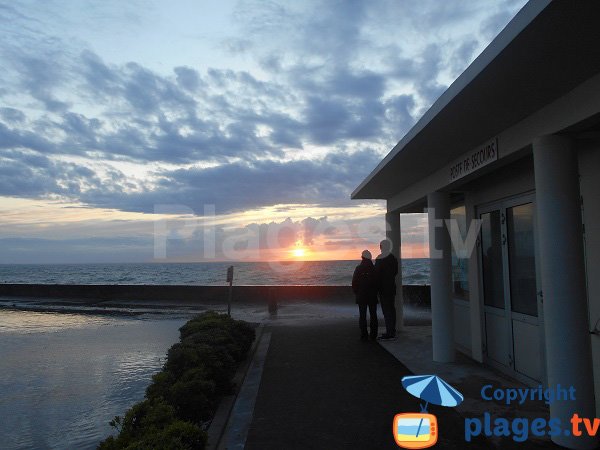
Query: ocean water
[64,376]
[414,271]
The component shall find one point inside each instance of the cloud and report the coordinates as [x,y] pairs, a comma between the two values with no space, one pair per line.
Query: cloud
[244,185]
[26,174]
[192,240]
[188,78]
[289,233]
[12,115]
[316,227]
[131,112]
[272,240]
[339,84]
[414,228]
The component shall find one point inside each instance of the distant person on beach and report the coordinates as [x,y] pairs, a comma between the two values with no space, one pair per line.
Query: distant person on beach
[364,285]
[386,269]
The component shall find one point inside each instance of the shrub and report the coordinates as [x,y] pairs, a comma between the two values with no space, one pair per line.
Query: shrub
[206,321]
[153,424]
[177,435]
[217,338]
[184,395]
[218,364]
[161,385]
[194,397]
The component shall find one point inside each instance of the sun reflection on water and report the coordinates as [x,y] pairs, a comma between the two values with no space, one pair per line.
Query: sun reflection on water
[43,322]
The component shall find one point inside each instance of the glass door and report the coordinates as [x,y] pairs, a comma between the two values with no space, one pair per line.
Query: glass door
[509,287]
[494,298]
[523,290]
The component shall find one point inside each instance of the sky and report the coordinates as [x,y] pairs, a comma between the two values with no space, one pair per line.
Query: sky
[215,130]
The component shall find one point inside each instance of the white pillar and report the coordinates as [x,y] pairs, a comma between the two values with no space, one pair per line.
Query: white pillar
[442,308]
[568,352]
[393,235]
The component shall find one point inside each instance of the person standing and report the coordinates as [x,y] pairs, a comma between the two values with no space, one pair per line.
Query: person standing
[386,269]
[364,285]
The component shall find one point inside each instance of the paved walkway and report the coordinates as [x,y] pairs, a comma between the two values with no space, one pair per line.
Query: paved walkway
[322,388]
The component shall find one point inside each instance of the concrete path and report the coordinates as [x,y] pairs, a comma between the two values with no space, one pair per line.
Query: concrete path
[322,388]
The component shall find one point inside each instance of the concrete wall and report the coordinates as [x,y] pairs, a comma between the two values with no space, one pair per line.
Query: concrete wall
[514,179]
[418,296]
[579,104]
[589,170]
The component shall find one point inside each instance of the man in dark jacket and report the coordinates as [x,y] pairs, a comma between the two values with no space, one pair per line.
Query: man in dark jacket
[364,285]
[386,269]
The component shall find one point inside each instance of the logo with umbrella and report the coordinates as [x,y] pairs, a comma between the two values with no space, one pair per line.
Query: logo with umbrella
[420,430]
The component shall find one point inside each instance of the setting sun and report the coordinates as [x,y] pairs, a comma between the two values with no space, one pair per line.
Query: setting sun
[299,252]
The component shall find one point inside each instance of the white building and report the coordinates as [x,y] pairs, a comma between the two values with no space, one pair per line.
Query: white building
[515,143]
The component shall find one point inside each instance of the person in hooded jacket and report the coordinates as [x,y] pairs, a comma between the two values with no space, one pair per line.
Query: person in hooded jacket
[364,285]
[386,269]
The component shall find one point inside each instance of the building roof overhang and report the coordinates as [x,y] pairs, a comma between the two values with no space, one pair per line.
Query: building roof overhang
[548,49]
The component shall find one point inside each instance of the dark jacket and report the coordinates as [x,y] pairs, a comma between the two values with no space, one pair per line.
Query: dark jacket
[364,282]
[386,270]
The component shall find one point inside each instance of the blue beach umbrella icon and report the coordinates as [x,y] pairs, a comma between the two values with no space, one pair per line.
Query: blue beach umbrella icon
[432,389]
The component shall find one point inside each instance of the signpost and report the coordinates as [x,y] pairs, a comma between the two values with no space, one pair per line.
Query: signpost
[230,281]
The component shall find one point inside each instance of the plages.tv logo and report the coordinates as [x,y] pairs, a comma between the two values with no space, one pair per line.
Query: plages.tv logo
[420,430]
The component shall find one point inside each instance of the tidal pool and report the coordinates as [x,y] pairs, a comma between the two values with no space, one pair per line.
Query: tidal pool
[65,376]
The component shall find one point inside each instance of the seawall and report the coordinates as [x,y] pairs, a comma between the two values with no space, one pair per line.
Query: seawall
[416,295]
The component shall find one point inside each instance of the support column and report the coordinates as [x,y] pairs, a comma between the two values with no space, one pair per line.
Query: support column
[442,308]
[568,351]
[393,235]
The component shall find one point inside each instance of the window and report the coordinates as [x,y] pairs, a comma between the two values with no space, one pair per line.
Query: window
[521,258]
[491,259]
[460,266]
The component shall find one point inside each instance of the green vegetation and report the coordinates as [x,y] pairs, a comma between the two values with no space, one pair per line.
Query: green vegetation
[184,395]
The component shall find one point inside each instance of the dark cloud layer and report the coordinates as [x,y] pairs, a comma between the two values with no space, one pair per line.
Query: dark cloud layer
[243,185]
[241,141]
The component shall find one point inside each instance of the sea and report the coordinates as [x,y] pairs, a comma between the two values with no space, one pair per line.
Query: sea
[414,271]
[65,375]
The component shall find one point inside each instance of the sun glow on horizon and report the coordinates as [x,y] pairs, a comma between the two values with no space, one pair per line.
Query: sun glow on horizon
[299,252]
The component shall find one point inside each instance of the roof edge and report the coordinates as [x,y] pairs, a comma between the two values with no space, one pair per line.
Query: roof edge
[519,22]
